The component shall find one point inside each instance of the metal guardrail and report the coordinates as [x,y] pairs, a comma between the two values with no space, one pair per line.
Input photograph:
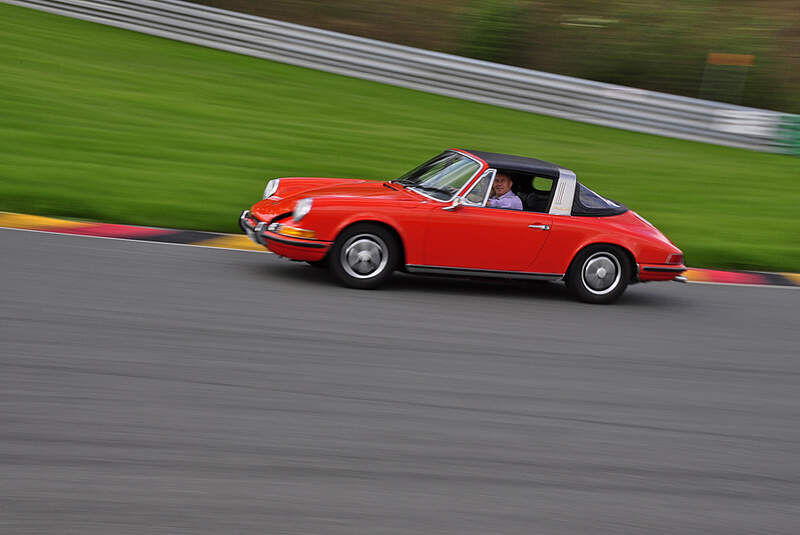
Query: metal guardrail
[789,134]
[445,74]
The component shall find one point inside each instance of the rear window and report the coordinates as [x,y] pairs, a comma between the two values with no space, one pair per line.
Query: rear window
[589,203]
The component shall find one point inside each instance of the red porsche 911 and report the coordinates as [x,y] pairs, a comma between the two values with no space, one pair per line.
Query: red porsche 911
[465,213]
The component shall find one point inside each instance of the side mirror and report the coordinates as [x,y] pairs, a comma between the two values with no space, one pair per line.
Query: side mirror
[455,205]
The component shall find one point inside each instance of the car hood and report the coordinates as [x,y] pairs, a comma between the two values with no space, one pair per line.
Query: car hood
[350,189]
[357,188]
[332,190]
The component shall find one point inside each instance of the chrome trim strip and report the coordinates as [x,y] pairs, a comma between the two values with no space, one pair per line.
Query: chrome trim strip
[488,190]
[665,269]
[311,245]
[477,160]
[564,194]
[470,272]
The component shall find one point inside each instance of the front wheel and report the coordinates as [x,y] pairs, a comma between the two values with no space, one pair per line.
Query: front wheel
[364,256]
[599,274]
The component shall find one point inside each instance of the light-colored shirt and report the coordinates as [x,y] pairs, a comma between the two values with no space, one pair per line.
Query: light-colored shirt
[509,200]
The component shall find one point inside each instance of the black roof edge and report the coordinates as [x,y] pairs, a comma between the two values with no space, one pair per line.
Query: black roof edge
[517,163]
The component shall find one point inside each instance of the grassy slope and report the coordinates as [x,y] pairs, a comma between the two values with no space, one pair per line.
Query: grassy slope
[101,123]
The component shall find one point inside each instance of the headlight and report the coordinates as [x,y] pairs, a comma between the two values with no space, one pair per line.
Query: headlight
[272,187]
[302,207]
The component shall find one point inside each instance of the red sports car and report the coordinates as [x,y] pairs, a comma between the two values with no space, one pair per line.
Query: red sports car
[455,215]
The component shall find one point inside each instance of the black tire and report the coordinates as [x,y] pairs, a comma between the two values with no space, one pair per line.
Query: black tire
[599,274]
[364,256]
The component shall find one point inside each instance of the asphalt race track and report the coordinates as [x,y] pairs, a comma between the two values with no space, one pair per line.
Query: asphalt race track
[156,388]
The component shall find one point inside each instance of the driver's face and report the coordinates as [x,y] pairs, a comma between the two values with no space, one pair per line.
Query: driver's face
[502,185]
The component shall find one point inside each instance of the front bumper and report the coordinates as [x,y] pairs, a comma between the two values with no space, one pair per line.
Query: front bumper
[248,224]
[270,237]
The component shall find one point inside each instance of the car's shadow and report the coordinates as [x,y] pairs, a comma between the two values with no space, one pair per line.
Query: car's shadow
[301,273]
[517,289]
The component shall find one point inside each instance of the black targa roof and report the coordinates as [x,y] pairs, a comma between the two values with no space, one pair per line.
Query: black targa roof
[518,163]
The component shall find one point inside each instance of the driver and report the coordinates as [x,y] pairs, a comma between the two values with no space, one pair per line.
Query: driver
[502,196]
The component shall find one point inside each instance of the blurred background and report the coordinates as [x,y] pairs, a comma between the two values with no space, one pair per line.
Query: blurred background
[646,44]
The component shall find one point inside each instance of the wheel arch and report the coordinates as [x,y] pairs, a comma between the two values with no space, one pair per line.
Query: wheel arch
[628,255]
[390,228]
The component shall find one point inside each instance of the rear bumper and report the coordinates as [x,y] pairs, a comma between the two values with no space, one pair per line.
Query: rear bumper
[287,246]
[661,272]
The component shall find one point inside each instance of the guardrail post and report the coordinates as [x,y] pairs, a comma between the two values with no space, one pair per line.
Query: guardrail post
[789,134]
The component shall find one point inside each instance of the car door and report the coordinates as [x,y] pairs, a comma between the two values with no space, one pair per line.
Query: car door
[474,236]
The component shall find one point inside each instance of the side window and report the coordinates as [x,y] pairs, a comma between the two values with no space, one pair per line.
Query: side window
[477,195]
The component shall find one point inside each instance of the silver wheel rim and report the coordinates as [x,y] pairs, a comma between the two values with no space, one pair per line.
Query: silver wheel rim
[601,273]
[364,256]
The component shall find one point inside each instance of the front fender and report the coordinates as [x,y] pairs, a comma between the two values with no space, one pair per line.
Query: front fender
[408,221]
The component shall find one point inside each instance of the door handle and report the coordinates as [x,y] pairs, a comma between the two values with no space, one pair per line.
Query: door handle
[541,227]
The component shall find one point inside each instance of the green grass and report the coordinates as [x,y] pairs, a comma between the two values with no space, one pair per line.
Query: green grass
[104,124]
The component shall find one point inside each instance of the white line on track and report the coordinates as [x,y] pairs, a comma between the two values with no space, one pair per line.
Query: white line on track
[139,241]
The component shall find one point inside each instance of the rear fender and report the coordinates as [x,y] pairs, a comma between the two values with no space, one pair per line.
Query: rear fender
[615,243]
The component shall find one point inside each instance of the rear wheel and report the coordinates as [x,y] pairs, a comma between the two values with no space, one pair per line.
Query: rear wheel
[599,274]
[364,256]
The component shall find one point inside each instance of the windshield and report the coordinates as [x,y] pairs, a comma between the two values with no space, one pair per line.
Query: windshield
[443,176]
